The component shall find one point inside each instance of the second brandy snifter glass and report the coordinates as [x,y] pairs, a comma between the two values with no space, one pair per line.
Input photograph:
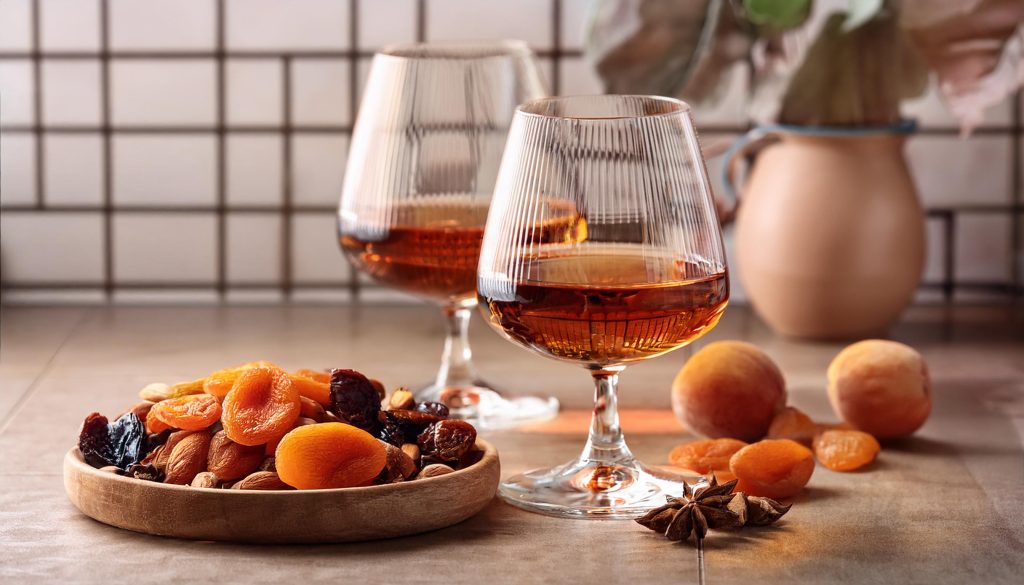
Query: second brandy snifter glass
[420,176]
[646,276]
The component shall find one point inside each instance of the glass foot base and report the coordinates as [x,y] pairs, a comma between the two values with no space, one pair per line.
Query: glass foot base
[488,409]
[592,489]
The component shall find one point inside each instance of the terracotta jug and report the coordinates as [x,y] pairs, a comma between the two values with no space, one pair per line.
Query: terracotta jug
[829,234]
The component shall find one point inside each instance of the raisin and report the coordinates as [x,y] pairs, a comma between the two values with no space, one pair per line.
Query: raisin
[355,400]
[434,408]
[447,440]
[121,443]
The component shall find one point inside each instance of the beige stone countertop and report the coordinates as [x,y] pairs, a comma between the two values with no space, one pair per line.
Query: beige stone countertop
[946,506]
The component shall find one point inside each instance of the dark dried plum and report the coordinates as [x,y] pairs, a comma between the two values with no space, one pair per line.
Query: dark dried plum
[121,443]
[355,400]
[391,433]
[447,440]
[408,424]
[434,408]
[414,418]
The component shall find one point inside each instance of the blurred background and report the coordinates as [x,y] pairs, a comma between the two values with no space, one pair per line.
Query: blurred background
[193,150]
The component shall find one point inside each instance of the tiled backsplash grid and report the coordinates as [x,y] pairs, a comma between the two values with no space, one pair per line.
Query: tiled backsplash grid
[193,149]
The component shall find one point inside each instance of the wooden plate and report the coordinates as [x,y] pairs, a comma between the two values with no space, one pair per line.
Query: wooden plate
[308,516]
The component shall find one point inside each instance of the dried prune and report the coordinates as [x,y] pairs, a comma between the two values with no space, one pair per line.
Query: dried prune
[355,400]
[121,443]
[391,433]
[447,440]
[435,408]
[410,422]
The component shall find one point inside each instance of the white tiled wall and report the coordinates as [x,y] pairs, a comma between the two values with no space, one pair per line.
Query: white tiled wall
[220,231]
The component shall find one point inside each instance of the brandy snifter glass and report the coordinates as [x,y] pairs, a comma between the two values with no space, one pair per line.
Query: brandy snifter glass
[424,157]
[645,274]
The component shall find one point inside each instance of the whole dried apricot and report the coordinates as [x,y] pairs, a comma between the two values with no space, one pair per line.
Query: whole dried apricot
[312,388]
[319,376]
[792,423]
[329,455]
[845,450]
[220,382]
[261,406]
[154,425]
[705,456]
[188,413]
[772,468]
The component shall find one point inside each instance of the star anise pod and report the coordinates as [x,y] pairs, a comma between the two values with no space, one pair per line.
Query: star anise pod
[711,506]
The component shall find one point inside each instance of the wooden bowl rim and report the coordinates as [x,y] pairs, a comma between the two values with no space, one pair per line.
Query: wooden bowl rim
[73,458]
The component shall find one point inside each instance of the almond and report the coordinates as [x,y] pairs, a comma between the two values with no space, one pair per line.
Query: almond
[311,409]
[401,399]
[399,465]
[205,479]
[163,452]
[261,480]
[187,458]
[434,470]
[230,460]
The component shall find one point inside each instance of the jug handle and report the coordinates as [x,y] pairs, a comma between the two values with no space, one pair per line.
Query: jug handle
[745,145]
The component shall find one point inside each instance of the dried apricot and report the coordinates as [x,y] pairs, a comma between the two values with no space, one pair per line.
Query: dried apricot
[312,389]
[188,413]
[220,382]
[329,455]
[229,460]
[845,450]
[772,468]
[792,423]
[319,376]
[705,456]
[154,425]
[261,406]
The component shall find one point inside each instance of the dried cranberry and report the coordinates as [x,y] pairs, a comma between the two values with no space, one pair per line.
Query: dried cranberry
[434,408]
[355,400]
[447,440]
[121,443]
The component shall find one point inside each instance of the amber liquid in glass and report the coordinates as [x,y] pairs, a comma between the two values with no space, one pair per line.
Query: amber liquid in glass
[605,308]
[433,247]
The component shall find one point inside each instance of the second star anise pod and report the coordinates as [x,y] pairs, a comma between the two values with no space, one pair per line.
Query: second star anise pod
[713,506]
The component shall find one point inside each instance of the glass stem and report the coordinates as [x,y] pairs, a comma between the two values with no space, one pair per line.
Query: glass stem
[457,369]
[606,443]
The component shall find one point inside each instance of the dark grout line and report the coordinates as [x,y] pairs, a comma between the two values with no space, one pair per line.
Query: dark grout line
[286,178]
[108,152]
[221,207]
[556,47]
[421,21]
[1016,188]
[37,104]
